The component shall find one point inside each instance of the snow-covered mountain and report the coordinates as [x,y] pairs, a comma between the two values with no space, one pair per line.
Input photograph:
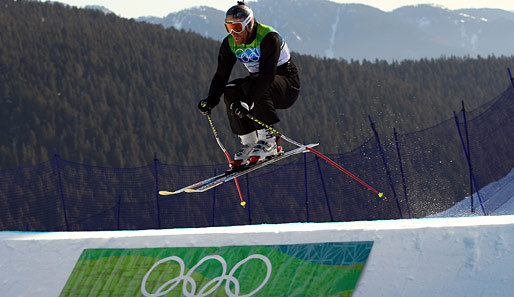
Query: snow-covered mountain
[477,31]
[99,8]
[203,20]
[355,31]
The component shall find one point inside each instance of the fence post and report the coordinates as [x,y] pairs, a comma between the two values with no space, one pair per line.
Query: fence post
[156,171]
[118,213]
[248,204]
[385,164]
[306,188]
[56,158]
[469,162]
[213,213]
[468,152]
[324,188]
[402,173]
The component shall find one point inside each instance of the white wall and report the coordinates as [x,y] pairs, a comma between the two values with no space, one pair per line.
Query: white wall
[427,257]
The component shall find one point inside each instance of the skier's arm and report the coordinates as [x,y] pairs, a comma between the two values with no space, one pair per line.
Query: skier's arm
[270,53]
[226,61]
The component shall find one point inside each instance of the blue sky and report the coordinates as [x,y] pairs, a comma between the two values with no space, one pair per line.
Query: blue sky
[160,8]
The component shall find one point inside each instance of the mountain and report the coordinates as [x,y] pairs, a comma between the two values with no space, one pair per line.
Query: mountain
[477,31]
[355,31]
[105,90]
[202,20]
[103,9]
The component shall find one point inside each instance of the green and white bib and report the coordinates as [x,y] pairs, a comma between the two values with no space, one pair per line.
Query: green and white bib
[249,54]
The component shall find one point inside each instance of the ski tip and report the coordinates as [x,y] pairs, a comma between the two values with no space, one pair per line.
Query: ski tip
[381,195]
[243,204]
[165,193]
[191,191]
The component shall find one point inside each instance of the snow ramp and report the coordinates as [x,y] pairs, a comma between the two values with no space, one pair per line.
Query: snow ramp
[470,256]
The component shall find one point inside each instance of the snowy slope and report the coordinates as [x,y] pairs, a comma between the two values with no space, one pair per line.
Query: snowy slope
[423,257]
[497,198]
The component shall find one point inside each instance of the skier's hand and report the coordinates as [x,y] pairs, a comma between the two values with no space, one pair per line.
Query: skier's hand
[240,109]
[204,107]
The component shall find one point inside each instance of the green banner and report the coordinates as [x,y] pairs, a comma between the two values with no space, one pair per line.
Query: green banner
[316,269]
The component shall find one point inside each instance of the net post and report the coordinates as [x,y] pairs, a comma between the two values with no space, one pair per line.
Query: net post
[388,173]
[59,180]
[469,162]
[306,188]
[468,152]
[404,181]
[156,172]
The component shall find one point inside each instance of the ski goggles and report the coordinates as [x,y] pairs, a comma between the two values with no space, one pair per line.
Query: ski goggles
[238,27]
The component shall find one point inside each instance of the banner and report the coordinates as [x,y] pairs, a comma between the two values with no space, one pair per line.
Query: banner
[316,269]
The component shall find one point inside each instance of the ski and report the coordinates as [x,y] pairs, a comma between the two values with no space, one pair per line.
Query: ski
[220,179]
[203,182]
[230,175]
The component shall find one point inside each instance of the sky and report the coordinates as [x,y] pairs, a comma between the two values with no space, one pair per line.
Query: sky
[160,8]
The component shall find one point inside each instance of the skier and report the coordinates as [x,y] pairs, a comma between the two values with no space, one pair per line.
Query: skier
[272,83]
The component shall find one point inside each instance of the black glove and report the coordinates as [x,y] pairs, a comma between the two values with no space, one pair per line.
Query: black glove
[240,109]
[204,107]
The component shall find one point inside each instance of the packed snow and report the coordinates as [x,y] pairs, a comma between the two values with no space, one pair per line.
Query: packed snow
[497,199]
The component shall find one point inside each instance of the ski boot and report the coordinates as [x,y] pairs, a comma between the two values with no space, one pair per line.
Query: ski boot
[266,148]
[248,142]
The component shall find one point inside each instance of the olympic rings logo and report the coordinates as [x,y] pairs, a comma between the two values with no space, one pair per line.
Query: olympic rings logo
[248,55]
[190,282]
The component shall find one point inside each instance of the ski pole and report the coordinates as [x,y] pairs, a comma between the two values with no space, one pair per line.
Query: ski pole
[380,194]
[243,203]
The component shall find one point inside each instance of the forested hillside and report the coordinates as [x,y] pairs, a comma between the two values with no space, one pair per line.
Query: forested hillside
[108,91]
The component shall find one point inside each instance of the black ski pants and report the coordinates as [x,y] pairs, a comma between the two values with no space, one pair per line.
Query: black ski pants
[282,94]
